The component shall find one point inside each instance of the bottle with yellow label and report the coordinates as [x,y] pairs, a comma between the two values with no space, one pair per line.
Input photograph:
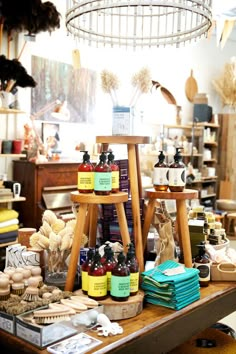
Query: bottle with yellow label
[86,175]
[115,173]
[85,268]
[97,279]
[133,265]
[109,264]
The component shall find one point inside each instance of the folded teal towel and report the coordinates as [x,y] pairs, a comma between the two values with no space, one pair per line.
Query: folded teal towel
[151,298]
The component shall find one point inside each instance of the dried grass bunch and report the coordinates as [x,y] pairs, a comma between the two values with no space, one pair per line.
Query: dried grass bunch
[225,85]
[141,82]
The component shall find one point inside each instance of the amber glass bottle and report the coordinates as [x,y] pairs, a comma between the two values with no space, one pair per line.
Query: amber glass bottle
[102,176]
[133,265]
[86,175]
[203,264]
[109,264]
[84,270]
[97,279]
[177,173]
[120,280]
[160,174]
[115,173]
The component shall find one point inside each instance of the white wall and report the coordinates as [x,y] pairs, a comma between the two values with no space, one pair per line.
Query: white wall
[171,67]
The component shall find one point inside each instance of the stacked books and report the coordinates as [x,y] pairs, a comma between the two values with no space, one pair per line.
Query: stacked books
[171,284]
[6,193]
[9,225]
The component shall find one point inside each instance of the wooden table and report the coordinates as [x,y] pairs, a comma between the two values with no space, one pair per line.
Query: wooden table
[132,143]
[157,329]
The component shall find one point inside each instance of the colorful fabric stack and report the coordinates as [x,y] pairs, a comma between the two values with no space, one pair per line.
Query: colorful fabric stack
[163,287]
[9,225]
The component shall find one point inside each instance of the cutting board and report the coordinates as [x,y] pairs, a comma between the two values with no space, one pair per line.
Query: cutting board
[191,87]
[226,190]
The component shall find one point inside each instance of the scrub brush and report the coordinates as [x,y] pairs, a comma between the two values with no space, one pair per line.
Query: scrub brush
[74,304]
[90,303]
[4,288]
[52,314]
[18,286]
[32,291]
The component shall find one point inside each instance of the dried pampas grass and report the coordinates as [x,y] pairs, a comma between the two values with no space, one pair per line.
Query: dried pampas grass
[225,85]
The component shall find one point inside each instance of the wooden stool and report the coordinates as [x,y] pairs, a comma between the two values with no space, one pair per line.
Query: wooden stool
[181,217]
[231,224]
[135,182]
[91,201]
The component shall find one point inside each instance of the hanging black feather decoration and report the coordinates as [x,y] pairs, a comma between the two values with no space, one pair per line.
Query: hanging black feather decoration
[32,16]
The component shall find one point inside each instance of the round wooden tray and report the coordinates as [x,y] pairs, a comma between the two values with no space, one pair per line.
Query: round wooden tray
[120,310]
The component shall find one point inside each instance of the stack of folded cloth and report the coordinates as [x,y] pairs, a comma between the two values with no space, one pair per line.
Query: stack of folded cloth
[171,284]
[9,225]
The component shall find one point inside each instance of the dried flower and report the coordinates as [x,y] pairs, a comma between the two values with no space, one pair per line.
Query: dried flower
[141,82]
[110,84]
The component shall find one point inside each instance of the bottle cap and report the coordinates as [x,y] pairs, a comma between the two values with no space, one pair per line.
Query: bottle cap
[131,251]
[90,253]
[121,257]
[178,156]
[103,157]
[110,156]
[161,156]
[86,156]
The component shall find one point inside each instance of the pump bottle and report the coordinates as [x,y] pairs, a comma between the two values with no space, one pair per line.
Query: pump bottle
[85,268]
[160,174]
[86,175]
[115,173]
[120,280]
[102,176]
[132,263]
[203,264]
[97,279]
[177,173]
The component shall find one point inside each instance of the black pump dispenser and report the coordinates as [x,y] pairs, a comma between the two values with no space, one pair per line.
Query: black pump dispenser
[203,264]
[86,156]
[160,173]
[177,173]
[86,174]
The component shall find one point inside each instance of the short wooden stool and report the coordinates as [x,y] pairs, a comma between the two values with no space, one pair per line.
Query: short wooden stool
[231,224]
[181,217]
[89,202]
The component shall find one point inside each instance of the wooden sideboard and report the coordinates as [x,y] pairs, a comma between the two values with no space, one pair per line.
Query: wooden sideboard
[34,177]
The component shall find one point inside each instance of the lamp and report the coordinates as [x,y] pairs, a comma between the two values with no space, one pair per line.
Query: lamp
[138,23]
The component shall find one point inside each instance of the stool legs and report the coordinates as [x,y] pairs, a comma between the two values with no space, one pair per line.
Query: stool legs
[93,225]
[134,188]
[123,225]
[182,218]
[75,250]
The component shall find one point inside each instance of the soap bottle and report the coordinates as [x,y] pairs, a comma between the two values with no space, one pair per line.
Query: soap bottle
[109,264]
[97,279]
[160,173]
[84,270]
[102,176]
[115,173]
[86,175]
[203,264]
[120,280]
[177,173]
[133,265]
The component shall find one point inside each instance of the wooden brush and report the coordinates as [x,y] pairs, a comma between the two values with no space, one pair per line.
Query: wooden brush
[76,305]
[32,292]
[18,286]
[4,288]
[52,315]
[90,303]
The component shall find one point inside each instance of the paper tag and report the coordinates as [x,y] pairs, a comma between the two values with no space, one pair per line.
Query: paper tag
[174,271]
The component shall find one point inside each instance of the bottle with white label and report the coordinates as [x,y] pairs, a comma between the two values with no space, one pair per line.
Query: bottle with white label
[160,174]
[177,173]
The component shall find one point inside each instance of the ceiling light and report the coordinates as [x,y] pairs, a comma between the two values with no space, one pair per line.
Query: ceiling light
[138,23]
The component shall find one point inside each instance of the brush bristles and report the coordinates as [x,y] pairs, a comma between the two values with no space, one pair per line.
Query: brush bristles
[51,319]
[30,297]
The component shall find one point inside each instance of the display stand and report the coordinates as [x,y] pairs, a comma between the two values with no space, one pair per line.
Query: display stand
[85,202]
[132,143]
[181,217]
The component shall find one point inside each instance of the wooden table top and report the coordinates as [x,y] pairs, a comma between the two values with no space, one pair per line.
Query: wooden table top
[127,139]
[185,194]
[152,329]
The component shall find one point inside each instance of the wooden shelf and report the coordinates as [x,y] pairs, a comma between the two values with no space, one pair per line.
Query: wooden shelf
[208,125]
[210,160]
[211,143]
[208,196]
[10,111]
[8,243]
[12,155]
[10,200]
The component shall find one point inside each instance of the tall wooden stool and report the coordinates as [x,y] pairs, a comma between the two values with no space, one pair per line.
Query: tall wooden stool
[135,182]
[85,202]
[231,224]
[181,217]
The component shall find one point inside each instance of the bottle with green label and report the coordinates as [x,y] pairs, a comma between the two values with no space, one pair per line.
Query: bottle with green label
[97,279]
[177,173]
[102,176]
[133,265]
[120,280]
[109,264]
[85,268]
[115,173]
[160,174]
[86,175]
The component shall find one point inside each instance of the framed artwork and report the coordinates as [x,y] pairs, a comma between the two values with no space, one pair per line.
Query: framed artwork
[71,91]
